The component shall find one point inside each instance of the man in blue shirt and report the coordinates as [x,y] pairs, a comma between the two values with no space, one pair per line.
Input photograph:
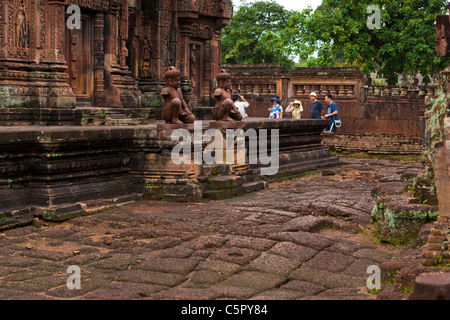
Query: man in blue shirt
[332,113]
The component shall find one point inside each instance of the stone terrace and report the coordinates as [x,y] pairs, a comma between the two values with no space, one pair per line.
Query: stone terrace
[308,238]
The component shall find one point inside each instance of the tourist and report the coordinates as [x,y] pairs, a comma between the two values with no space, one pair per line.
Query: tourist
[332,113]
[241,104]
[296,108]
[276,112]
[316,107]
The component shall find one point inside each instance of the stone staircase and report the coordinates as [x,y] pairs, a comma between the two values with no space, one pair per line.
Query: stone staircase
[224,186]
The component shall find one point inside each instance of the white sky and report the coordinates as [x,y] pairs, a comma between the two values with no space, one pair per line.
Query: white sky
[297,5]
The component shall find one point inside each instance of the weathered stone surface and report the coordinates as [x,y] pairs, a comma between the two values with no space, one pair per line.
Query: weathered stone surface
[331,261]
[434,286]
[293,251]
[303,287]
[172,265]
[273,264]
[328,279]
[307,223]
[304,239]
[79,171]
[218,266]
[253,279]
[230,249]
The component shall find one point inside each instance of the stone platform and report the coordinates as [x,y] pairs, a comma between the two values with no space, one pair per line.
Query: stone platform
[304,239]
[61,172]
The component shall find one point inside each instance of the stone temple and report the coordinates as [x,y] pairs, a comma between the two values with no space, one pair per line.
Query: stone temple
[115,59]
[82,129]
[80,107]
[80,116]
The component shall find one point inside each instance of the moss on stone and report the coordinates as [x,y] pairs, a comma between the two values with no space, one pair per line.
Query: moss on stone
[399,227]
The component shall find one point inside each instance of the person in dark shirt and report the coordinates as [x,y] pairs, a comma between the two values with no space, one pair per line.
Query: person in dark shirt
[316,107]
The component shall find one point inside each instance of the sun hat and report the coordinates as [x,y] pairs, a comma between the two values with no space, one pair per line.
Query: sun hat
[297,102]
[275,99]
[313,94]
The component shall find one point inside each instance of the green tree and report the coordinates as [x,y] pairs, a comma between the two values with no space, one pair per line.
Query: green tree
[405,41]
[265,32]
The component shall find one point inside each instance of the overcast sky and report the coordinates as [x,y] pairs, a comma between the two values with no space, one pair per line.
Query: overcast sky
[297,5]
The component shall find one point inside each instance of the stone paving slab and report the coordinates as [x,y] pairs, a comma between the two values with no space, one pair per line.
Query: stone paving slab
[309,238]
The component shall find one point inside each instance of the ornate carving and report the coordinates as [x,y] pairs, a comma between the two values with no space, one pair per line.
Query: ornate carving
[19,36]
[189,5]
[97,5]
[3,30]
[21,27]
[217,8]
[181,33]
[202,31]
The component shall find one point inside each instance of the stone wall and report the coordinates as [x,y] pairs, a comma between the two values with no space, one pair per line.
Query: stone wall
[366,111]
[379,144]
[258,83]
[61,172]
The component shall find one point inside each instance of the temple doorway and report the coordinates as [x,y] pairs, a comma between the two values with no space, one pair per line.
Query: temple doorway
[80,62]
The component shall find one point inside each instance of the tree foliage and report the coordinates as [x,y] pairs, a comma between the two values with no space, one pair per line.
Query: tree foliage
[338,33]
[404,43]
[261,32]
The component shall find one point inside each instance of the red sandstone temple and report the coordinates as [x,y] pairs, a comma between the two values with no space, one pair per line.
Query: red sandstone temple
[115,60]
[110,70]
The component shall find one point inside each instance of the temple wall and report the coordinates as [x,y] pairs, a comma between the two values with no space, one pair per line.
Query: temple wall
[184,34]
[61,172]
[377,119]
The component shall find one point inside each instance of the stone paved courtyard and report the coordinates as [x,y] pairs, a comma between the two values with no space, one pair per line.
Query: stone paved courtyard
[309,238]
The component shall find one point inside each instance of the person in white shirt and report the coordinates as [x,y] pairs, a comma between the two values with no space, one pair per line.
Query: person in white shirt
[296,108]
[241,104]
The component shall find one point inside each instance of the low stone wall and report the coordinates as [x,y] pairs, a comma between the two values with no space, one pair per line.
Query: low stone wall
[54,171]
[374,144]
[366,110]
[61,172]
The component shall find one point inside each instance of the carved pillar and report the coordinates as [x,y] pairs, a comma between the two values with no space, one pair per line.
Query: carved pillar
[56,26]
[155,23]
[32,61]
[99,59]
[3,28]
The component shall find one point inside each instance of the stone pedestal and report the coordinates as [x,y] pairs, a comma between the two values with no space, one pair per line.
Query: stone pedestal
[442,171]
[432,286]
[437,249]
[62,172]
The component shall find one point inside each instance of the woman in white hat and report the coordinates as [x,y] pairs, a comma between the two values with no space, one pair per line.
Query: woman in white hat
[296,108]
